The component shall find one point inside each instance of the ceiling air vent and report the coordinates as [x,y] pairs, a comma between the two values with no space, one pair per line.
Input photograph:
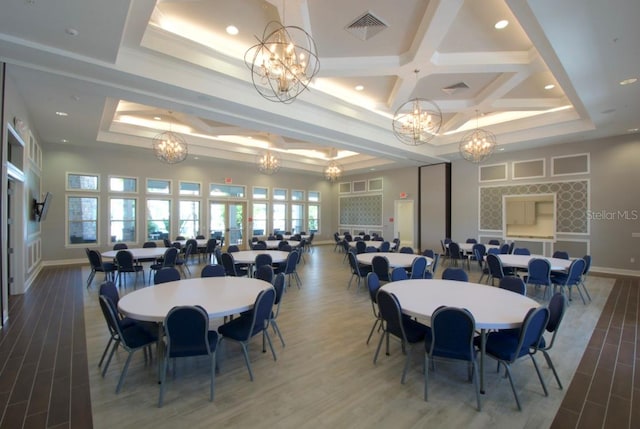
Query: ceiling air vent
[456,87]
[366,26]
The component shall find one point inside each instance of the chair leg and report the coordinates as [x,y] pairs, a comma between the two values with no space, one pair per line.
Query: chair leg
[372,329]
[213,375]
[553,368]
[276,329]
[426,375]
[375,357]
[113,350]
[406,367]
[163,380]
[106,349]
[513,387]
[265,332]
[92,274]
[474,369]
[245,353]
[124,372]
[544,386]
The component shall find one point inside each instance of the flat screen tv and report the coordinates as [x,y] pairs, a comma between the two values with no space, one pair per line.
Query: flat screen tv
[41,208]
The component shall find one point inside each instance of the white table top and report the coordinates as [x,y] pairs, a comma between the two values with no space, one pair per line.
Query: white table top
[202,242]
[287,237]
[273,244]
[375,244]
[468,247]
[219,296]
[492,307]
[395,259]
[249,256]
[522,261]
[139,252]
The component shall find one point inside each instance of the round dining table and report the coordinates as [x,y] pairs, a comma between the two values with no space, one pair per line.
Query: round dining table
[138,252]
[249,256]
[491,307]
[372,243]
[403,260]
[219,296]
[273,244]
[522,261]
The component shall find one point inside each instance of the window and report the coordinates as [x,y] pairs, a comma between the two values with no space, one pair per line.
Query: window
[313,218]
[123,184]
[314,196]
[279,217]
[190,188]
[280,194]
[82,218]
[297,195]
[82,182]
[158,186]
[189,218]
[259,219]
[260,193]
[229,191]
[158,219]
[297,218]
[122,219]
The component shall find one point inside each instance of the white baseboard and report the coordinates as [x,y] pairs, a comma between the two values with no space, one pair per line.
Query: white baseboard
[615,271]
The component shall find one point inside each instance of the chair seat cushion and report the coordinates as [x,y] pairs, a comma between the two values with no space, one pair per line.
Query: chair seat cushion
[415,331]
[138,335]
[238,328]
[502,344]
[195,350]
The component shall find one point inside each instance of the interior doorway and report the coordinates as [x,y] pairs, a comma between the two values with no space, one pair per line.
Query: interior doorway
[404,225]
[228,222]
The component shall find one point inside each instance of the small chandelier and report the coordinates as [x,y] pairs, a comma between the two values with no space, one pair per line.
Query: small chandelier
[333,171]
[417,121]
[477,145]
[170,147]
[268,163]
[283,63]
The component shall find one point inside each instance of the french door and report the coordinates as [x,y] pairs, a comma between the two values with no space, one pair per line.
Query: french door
[228,222]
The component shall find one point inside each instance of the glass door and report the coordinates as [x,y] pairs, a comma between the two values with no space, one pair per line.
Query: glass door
[228,222]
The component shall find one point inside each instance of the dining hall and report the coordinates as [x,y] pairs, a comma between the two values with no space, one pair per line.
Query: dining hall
[134,127]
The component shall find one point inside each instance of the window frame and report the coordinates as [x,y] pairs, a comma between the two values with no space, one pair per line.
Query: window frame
[68,242]
[73,173]
[169,185]
[198,222]
[189,196]
[147,218]
[135,220]
[123,177]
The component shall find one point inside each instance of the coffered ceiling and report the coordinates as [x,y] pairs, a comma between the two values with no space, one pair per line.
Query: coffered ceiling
[124,70]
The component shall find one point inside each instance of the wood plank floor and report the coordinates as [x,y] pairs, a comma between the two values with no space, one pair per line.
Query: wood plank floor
[324,377]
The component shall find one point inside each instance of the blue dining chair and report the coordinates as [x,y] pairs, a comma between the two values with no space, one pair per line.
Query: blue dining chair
[457,274]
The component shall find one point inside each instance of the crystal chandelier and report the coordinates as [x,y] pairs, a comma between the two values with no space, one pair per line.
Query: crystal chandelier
[170,147]
[283,63]
[477,145]
[333,171]
[417,121]
[268,163]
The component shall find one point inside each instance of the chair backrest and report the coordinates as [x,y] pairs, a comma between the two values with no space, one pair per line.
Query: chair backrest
[110,290]
[361,246]
[493,251]
[385,246]
[511,246]
[457,274]
[95,259]
[481,248]
[576,269]
[539,271]
[292,261]
[263,259]
[120,246]
[370,249]
[521,251]
[218,253]
[265,272]
[353,263]
[109,311]
[193,243]
[495,266]
[233,248]
[179,237]
[406,249]
[279,236]
[187,329]
[211,245]
[373,284]
[504,249]
[494,242]
[452,331]
[560,254]
[434,264]
[380,266]
[587,264]
[557,306]
[170,257]
[124,259]
[418,267]
[391,312]
[472,240]
[454,250]
[513,284]
[533,327]
[260,245]
[149,244]
[167,242]
[348,237]
[278,285]
[165,275]
[399,273]
[229,264]
[199,237]
[261,312]
[429,253]
[213,270]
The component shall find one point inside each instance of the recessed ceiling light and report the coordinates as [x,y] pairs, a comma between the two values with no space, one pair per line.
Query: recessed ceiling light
[62,114]
[359,88]
[550,86]
[157,118]
[195,157]
[629,81]
[232,30]
[501,24]
[501,149]
[64,141]
[633,130]
[71,31]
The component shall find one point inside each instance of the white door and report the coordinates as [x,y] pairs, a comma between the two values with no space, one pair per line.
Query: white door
[404,222]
